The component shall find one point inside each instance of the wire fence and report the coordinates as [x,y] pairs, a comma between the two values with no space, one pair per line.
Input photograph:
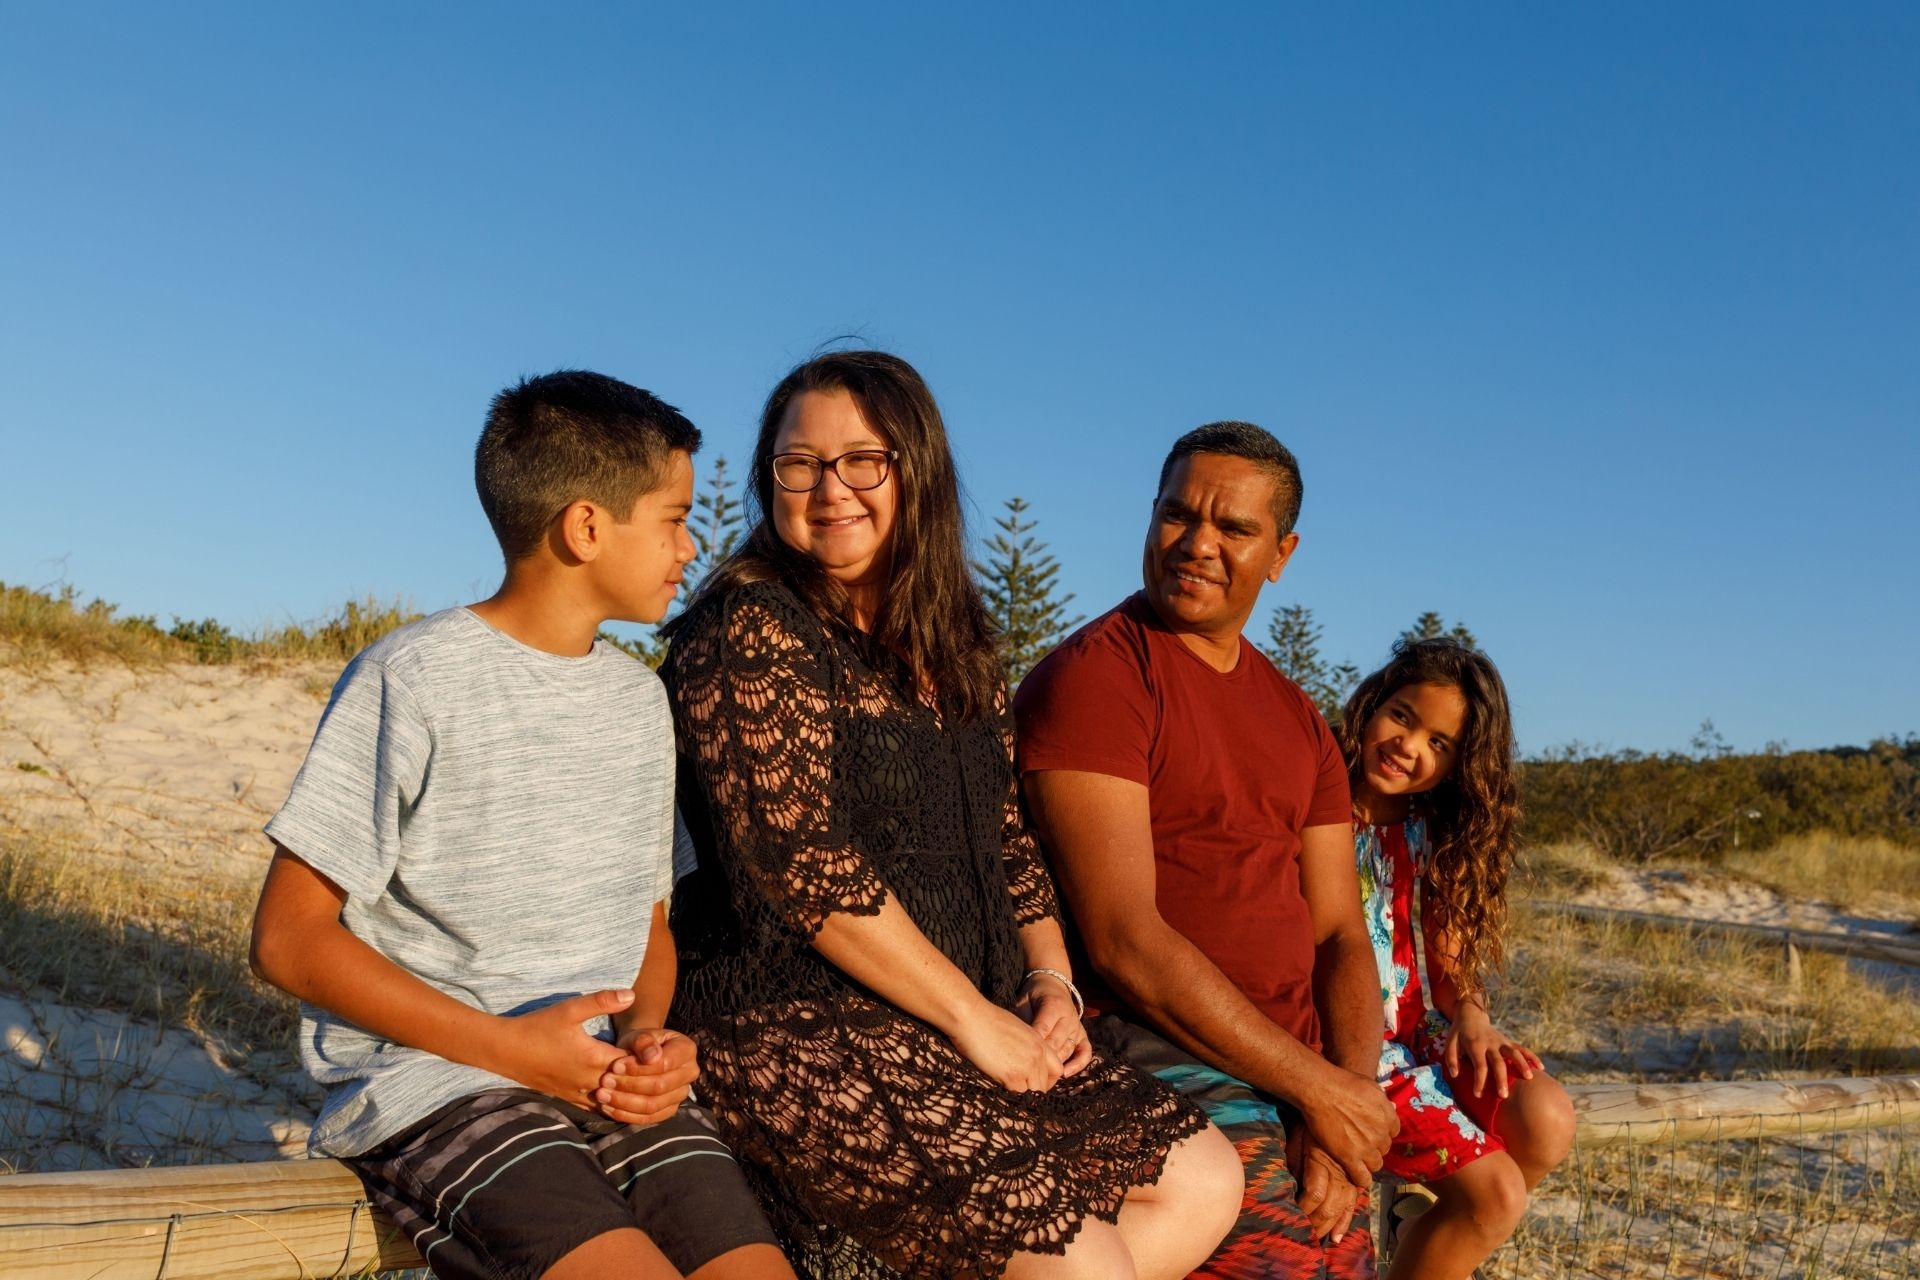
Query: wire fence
[1817,1203]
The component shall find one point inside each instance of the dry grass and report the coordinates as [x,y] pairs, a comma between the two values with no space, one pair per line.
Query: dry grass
[1846,872]
[1840,1207]
[39,628]
[1626,999]
[105,934]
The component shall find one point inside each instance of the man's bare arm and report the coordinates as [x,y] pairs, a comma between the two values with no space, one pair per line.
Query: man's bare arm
[1346,990]
[1099,837]
[1346,978]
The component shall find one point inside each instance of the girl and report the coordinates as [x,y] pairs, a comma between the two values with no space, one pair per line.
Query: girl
[1429,748]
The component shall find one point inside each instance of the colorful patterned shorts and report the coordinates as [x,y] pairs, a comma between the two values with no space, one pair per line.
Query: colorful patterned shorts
[1272,1240]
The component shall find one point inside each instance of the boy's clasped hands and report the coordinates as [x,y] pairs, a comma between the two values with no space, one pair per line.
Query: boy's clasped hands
[642,1077]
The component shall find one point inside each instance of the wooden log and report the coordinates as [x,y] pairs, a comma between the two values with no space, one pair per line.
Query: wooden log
[1864,946]
[306,1219]
[1614,1114]
[291,1218]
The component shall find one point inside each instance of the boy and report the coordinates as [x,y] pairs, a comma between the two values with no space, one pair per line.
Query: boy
[462,878]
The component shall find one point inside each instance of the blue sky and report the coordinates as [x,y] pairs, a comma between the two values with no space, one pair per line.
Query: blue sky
[1595,329]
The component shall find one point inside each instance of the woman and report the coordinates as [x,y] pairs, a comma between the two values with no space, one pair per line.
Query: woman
[870,954]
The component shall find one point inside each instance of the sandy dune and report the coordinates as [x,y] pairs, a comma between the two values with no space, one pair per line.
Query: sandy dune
[182,764]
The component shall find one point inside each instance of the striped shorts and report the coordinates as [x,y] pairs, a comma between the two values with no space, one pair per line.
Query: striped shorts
[503,1184]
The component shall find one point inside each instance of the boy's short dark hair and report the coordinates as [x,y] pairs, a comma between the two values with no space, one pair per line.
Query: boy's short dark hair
[1258,446]
[567,436]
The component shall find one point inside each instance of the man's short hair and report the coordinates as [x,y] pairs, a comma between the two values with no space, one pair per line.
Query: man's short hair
[1256,445]
[568,436]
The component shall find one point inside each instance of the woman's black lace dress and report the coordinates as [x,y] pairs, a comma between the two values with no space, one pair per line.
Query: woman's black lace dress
[812,784]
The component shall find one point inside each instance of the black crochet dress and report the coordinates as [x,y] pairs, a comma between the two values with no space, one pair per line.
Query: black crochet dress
[812,784]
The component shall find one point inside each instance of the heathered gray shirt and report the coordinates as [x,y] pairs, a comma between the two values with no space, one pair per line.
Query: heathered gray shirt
[502,822]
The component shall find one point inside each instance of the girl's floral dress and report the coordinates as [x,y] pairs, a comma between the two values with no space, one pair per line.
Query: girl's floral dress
[1438,1134]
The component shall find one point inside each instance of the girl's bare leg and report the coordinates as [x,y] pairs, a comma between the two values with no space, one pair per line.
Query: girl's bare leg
[1473,1213]
[1536,1121]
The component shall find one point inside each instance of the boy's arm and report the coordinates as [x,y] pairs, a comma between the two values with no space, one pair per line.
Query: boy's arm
[655,1074]
[301,947]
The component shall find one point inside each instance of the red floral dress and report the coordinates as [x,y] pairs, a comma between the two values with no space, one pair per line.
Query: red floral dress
[1439,1133]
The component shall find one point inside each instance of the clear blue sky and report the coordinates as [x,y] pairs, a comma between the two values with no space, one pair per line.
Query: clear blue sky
[1600,331]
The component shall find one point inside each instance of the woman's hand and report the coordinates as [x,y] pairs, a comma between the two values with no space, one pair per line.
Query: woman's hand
[1476,1043]
[1046,1005]
[1005,1047]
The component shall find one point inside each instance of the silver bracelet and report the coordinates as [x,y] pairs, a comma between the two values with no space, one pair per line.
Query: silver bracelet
[1079,1005]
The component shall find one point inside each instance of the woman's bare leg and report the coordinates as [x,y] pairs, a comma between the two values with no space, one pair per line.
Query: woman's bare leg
[1175,1224]
[1097,1253]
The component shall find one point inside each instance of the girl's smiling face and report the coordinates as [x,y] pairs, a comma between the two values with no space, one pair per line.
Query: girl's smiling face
[1412,744]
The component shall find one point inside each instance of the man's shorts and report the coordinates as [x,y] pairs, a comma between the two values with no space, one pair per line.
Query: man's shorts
[1271,1240]
[501,1185]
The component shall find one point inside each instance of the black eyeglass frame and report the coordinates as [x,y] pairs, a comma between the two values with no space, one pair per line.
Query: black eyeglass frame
[887,458]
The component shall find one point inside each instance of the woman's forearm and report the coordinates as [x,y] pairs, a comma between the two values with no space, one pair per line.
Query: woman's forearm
[887,954]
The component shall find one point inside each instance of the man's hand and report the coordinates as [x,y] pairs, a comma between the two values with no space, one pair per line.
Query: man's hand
[1047,1007]
[1005,1047]
[651,1079]
[1350,1119]
[1323,1191]
[550,1051]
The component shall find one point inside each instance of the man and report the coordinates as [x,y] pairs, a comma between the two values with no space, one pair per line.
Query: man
[1194,805]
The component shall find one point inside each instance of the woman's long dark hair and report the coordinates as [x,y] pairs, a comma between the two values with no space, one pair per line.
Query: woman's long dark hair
[932,615]
[1473,812]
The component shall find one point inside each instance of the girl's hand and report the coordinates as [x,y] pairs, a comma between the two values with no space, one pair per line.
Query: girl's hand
[1001,1044]
[1476,1042]
[1047,1007]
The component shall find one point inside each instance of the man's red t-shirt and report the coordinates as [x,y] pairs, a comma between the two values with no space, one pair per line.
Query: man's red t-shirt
[1235,764]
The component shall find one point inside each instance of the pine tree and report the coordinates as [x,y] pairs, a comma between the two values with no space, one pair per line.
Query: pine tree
[1431,626]
[1018,579]
[1293,643]
[715,527]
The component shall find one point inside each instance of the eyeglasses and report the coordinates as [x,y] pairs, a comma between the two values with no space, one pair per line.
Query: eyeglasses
[861,469]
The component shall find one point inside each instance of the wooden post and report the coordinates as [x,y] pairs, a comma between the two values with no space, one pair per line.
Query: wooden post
[308,1219]
[1611,1114]
[291,1218]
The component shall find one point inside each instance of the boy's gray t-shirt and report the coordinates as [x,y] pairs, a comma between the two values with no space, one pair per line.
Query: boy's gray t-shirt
[501,819]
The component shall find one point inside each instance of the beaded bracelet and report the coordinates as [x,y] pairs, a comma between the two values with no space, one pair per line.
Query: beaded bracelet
[1079,1005]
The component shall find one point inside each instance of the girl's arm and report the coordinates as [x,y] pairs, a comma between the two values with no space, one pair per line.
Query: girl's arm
[1473,1041]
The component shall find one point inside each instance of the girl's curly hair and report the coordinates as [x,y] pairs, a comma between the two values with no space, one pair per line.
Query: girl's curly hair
[1473,813]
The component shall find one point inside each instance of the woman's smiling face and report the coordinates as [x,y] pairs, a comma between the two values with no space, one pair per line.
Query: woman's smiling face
[849,531]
